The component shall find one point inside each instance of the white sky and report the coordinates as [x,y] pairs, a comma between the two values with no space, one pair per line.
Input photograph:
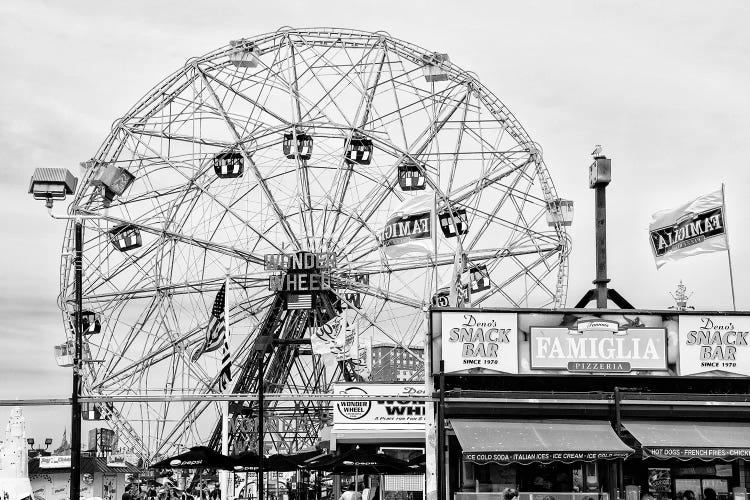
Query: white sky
[663,86]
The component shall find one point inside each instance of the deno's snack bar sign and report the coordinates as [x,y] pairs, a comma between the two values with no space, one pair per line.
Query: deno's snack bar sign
[714,343]
[480,340]
[393,412]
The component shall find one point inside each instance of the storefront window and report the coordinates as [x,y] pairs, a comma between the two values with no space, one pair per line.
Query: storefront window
[402,487]
[720,487]
[488,478]
[552,477]
[701,489]
[556,481]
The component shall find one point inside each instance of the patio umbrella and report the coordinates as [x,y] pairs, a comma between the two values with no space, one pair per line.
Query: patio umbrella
[359,462]
[246,460]
[280,463]
[198,457]
[293,462]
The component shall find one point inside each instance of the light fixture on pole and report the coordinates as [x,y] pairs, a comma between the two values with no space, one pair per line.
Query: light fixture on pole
[50,184]
[35,452]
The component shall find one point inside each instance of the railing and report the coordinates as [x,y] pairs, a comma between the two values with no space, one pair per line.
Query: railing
[530,495]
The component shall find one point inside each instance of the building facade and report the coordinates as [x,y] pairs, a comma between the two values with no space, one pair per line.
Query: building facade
[592,404]
[394,426]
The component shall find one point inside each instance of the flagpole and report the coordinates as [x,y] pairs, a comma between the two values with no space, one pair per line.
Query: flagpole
[729,252]
[430,440]
[224,475]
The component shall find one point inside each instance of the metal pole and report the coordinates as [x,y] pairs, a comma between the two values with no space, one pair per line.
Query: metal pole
[75,413]
[441,476]
[261,390]
[729,253]
[600,216]
[431,472]
[431,478]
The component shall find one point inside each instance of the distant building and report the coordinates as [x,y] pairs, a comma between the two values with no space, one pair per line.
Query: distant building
[64,448]
[391,363]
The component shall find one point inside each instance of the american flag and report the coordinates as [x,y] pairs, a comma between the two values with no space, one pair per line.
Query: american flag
[225,376]
[299,301]
[216,330]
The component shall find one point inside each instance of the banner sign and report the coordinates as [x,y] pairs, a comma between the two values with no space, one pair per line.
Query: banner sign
[381,414]
[714,343]
[599,346]
[683,452]
[582,342]
[479,339]
[54,462]
[525,457]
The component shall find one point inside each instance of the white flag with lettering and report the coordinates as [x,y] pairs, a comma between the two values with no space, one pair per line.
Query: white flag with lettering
[409,228]
[337,338]
[693,228]
[325,338]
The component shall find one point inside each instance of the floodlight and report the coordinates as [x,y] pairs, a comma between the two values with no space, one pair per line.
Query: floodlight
[48,441]
[52,184]
[30,441]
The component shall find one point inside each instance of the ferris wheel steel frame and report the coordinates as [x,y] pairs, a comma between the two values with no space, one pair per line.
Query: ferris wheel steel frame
[521,168]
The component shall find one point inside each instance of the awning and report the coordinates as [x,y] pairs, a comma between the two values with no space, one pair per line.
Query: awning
[527,441]
[89,465]
[688,440]
[367,434]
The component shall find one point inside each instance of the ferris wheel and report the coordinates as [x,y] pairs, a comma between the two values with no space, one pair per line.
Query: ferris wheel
[301,141]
